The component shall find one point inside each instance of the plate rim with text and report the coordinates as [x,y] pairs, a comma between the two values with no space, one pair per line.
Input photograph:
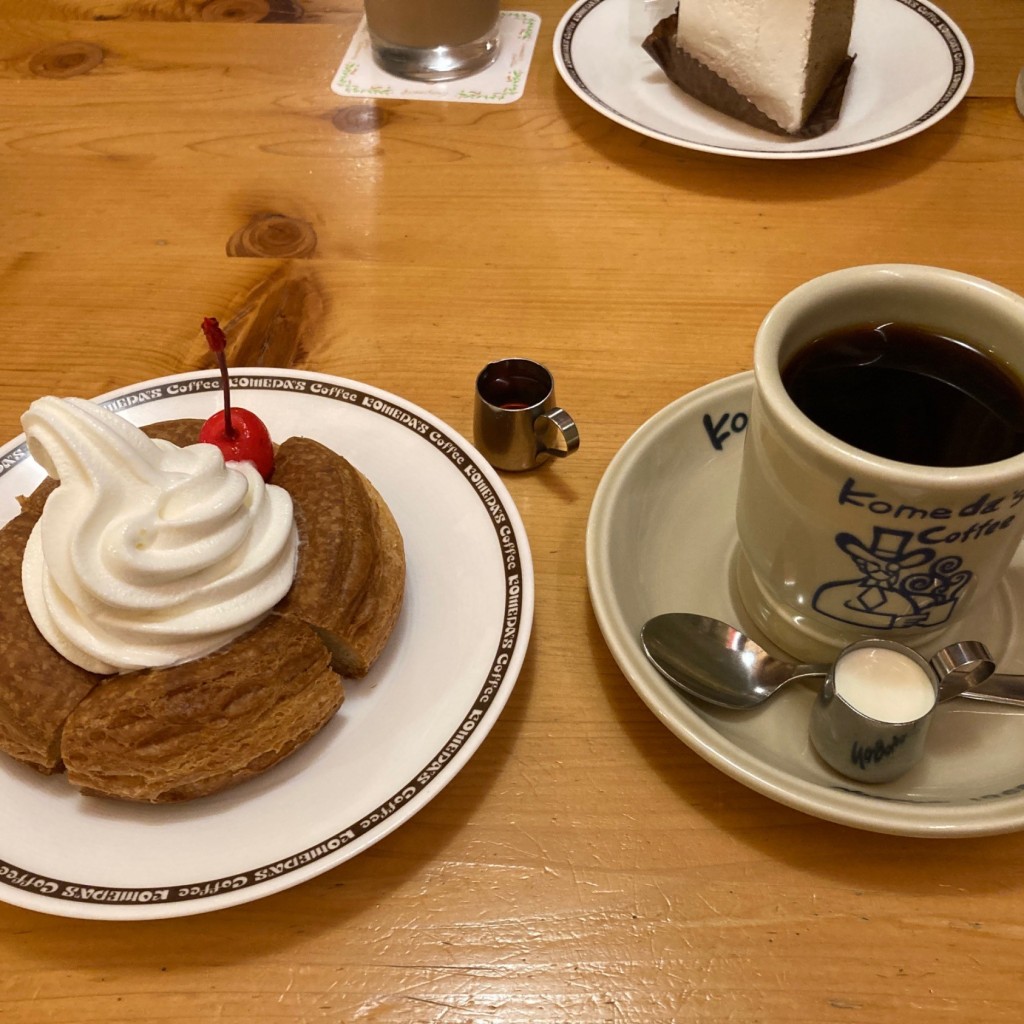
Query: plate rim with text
[733,138]
[492,530]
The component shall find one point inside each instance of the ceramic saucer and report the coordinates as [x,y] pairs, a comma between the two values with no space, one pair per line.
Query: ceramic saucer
[913,66]
[661,537]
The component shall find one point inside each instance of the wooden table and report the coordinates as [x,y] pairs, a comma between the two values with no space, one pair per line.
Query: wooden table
[165,160]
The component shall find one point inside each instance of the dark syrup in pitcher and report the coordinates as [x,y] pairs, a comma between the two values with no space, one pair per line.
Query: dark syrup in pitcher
[909,394]
[508,388]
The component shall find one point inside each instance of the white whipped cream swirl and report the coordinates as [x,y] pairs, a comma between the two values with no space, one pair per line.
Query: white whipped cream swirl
[147,555]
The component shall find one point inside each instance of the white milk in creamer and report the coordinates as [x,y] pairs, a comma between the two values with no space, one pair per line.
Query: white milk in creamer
[884,685]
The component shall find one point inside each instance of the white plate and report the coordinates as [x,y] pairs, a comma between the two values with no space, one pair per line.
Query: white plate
[661,537]
[403,732]
[913,67]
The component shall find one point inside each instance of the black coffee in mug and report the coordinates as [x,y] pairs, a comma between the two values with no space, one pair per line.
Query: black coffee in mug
[909,394]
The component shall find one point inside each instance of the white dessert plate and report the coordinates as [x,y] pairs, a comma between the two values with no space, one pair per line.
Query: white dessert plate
[403,732]
[913,66]
[662,537]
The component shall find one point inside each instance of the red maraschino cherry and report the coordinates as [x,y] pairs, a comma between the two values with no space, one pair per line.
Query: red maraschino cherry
[239,434]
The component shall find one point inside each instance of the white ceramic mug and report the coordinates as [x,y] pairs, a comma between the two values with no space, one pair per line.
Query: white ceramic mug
[836,544]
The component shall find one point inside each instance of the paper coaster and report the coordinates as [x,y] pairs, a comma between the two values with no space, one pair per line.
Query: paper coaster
[502,82]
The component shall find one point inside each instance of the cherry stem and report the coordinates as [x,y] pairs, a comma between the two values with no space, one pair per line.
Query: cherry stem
[229,431]
[217,341]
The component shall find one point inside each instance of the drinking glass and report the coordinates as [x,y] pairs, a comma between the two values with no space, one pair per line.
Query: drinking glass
[433,40]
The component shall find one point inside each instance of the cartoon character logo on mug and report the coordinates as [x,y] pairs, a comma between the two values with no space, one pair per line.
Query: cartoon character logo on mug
[888,592]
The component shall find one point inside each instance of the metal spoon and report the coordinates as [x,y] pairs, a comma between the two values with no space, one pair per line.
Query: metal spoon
[717,663]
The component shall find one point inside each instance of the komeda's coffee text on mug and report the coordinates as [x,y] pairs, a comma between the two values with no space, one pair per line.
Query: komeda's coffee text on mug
[914,576]
[910,394]
[984,505]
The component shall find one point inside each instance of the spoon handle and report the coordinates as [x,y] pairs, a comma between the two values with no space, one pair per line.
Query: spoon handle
[808,674]
[999,689]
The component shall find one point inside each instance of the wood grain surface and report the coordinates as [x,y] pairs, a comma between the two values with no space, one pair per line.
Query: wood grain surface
[166,160]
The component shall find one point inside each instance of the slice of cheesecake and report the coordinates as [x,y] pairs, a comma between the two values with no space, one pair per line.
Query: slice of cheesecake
[779,65]
[780,55]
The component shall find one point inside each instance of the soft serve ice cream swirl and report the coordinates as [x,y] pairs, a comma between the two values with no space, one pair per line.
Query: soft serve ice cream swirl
[147,555]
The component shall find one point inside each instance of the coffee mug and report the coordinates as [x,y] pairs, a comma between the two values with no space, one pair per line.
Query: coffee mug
[433,40]
[861,512]
[516,422]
